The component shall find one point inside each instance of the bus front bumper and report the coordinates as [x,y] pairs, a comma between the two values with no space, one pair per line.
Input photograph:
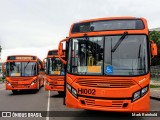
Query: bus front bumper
[140,105]
[22,86]
[54,88]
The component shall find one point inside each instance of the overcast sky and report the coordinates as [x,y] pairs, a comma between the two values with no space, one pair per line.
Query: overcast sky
[36,26]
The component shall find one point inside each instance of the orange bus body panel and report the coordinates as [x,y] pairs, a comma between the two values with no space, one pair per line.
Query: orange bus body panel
[100,102]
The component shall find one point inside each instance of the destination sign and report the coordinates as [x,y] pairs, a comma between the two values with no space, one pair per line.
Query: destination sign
[21,58]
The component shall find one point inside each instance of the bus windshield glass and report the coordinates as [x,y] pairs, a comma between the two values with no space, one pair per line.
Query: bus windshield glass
[55,66]
[22,69]
[95,55]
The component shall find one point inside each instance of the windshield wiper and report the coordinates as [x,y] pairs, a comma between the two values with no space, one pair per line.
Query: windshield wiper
[139,52]
[119,41]
[26,65]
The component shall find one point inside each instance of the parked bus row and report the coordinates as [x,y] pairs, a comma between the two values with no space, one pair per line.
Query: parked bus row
[26,72]
[105,66]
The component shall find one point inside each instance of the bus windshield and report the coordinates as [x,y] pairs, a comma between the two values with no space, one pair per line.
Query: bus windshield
[22,69]
[55,66]
[95,55]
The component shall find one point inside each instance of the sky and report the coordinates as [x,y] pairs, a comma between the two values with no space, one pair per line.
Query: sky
[35,26]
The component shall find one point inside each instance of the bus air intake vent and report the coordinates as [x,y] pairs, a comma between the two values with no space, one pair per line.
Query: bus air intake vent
[100,103]
[101,83]
[21,79]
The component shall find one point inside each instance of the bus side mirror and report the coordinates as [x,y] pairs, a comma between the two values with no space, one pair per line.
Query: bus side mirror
[154,50]
[44,66]
[60,51]
[3,69]
[39,66]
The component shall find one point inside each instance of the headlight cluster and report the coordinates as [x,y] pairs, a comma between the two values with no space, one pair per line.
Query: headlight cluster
[33,82]
[72,90]
[47,82]
[8,83]
[140,93]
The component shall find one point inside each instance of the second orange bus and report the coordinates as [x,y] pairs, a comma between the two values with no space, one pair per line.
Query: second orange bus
[54,72]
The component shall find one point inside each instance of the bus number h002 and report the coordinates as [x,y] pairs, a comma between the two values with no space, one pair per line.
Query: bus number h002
[86,91]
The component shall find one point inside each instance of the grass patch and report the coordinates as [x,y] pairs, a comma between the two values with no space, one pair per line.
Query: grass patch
[154,86]
[155,79]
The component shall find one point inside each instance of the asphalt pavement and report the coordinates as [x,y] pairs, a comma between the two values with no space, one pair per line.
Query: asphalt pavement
[51,101]
[155,92]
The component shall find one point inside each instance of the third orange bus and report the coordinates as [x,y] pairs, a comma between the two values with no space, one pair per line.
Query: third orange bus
[23,73]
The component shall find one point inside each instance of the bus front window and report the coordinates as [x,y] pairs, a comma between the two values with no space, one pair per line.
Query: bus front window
[130,57]
[22,68]
[29,68]
[14,69]
[87,56]
[108,55]
[55,67]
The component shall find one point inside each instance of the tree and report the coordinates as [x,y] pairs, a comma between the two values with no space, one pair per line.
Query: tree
[155,36]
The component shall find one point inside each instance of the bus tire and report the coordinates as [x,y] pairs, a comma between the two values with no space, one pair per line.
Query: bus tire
[43,84]
[14,91]
[38,86]
[61,93]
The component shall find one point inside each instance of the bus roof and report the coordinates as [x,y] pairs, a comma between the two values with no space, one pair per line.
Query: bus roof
[108,18]
[53,53]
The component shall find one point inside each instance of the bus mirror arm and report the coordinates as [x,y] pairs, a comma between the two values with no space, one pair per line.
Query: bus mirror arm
[3,67]
[39,66]
[43,63]
[60,50]
[154,50]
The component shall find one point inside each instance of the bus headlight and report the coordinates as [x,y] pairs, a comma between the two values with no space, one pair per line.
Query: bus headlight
[68,87]
[33,82]
[8,83]
[47,82]
[71,90]
[139,93]
[144,90]
[74,92]
[136,95]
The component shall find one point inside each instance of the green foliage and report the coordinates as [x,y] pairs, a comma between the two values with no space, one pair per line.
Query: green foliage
[155,36]
[154,86]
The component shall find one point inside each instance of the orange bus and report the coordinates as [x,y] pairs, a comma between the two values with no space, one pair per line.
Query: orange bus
[23,73]
[108,64]
[54,72]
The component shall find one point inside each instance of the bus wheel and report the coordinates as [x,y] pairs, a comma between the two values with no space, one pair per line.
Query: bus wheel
[43,84]
[39,85]
[14,91]
[61,93]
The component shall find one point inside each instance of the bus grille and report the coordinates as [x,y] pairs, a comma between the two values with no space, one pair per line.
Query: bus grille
[114,103]
[101,83]
[14,80]
[56,79]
